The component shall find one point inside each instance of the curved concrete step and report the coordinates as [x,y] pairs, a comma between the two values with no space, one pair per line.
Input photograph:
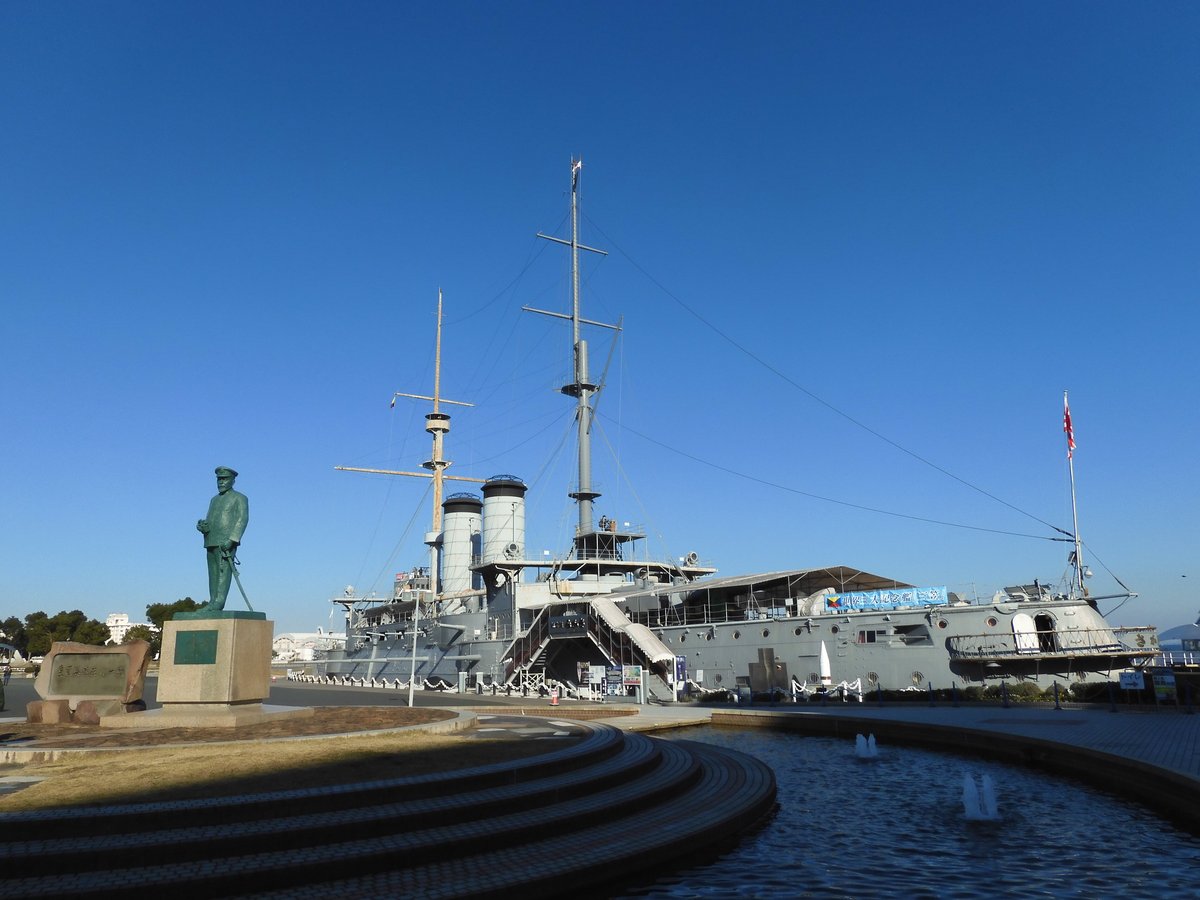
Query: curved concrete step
[637,762]
[735,792]
[601,741]
[612,798]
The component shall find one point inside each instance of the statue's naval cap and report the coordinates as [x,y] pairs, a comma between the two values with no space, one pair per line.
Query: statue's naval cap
[225,472]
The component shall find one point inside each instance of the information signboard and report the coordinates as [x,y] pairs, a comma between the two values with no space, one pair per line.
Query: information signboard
[1132,681]
[1164,687]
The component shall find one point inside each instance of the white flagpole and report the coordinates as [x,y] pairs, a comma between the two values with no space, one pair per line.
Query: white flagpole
[1077,581]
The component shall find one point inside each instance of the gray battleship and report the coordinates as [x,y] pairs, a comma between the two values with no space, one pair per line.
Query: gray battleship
[485,614]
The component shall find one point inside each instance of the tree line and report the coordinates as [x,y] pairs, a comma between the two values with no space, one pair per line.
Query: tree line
[34,635]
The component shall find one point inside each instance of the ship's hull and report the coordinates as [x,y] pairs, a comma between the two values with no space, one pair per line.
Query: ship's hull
[907,649]
[896,649]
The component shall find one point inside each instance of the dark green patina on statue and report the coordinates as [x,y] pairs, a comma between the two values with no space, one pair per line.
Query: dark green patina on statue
[223,527]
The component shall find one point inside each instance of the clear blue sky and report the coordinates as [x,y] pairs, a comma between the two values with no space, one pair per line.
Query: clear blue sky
[225,225]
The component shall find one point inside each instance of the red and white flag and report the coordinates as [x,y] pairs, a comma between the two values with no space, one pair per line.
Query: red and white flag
[1067,427]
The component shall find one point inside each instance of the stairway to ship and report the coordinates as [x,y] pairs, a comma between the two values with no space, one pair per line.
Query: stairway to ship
[599,812]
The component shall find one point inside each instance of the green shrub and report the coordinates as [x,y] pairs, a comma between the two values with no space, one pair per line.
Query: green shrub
[1024,692]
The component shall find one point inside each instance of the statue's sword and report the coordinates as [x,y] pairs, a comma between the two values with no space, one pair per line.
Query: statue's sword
[238,578]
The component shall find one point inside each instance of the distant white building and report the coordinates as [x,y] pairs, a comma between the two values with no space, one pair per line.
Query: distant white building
[119,625]
[298,646]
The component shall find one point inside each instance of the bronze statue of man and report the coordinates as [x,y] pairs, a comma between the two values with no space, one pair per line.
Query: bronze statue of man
[228,513]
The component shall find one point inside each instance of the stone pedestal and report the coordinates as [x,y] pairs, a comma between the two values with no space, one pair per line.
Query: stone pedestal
[217,660]
[214,672]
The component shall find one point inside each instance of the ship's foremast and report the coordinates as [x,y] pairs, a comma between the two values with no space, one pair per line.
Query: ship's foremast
[437,424]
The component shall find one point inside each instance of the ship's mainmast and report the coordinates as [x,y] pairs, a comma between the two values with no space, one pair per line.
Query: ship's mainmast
[581,388]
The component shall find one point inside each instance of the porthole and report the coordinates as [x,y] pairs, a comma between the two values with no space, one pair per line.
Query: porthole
[917,678]
[814,677]
[766,632]
[872,678]
[799,631]
[833,629]
[683,639]
[708,635]
[991,620]
[736,635]
[942,623]
[717,679]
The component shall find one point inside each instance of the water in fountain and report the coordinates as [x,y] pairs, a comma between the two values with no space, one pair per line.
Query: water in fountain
[979,801]
[864,747]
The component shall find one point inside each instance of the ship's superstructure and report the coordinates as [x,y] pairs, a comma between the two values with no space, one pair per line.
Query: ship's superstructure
[487,612]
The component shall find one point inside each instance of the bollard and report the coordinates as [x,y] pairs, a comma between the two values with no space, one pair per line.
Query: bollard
[1004,693]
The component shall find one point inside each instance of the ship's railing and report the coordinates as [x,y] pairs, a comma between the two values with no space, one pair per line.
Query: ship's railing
[522,649]
[1176,659]
[421,684]
[1054,644]
[709,614]
[842,690]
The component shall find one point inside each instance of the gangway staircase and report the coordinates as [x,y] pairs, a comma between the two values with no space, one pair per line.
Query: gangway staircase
[603,623]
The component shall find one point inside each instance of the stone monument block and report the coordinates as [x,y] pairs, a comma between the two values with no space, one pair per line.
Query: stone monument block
[224,658]
[113,677]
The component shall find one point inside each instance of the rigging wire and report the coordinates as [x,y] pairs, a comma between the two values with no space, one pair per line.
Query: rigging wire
[533,257]
[846,503]
[387,494]
[834,409]
[633,489]
[389,563]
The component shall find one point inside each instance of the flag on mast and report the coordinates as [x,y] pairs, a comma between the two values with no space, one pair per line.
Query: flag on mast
[1070,432]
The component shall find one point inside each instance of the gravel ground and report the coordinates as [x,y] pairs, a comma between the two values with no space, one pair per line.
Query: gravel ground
[325,720]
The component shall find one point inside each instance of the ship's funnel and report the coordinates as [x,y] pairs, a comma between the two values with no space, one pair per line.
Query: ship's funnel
[503,519]
[460,541]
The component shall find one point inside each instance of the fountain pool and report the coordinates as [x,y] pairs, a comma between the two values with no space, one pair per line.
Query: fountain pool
[898,828]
